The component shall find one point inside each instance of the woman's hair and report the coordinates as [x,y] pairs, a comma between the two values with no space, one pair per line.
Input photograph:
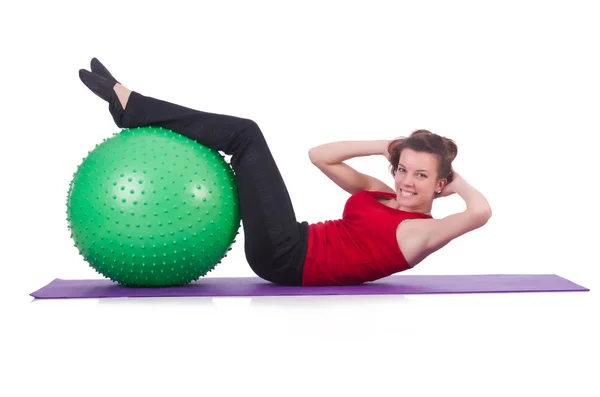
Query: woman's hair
[443,148]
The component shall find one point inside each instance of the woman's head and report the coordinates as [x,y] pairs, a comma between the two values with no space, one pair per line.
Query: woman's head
[421,165]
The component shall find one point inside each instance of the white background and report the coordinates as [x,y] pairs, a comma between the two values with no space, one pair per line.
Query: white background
[514,83]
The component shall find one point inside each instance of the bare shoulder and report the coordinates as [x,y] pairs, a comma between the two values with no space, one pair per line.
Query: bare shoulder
[419,238]
[377,185]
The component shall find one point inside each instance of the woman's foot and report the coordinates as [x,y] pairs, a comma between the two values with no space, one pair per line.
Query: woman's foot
[104,87]
[99,85]
[102,83]
[97,67]
[121,91]
[112,92]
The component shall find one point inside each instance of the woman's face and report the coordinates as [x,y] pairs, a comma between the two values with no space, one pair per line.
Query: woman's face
[416,179]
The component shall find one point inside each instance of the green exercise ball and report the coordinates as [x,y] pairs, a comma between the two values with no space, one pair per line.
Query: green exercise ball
[151,208]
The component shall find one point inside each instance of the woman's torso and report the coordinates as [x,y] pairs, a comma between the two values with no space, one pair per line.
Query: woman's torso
[367,243]
[409,242]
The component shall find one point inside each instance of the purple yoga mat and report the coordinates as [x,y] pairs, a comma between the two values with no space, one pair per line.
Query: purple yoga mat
[254,286]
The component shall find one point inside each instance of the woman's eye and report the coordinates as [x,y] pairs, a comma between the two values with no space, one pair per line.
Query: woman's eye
[400,169]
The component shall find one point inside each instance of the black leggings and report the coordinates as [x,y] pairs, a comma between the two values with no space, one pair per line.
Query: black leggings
[275,242]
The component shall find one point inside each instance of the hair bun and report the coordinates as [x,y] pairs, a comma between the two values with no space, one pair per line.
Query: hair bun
[421,132]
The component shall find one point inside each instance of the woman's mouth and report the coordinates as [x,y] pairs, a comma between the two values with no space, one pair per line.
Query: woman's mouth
[407,194]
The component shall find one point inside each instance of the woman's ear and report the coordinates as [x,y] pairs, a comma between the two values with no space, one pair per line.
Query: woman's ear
[440,185]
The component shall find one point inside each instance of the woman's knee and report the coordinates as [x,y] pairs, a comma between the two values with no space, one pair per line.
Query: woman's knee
[252,130]
[248,136]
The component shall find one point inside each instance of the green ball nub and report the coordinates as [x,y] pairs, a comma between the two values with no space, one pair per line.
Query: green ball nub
[151,208]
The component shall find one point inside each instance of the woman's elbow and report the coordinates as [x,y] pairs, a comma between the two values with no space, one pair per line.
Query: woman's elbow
[485,214]
[314,156]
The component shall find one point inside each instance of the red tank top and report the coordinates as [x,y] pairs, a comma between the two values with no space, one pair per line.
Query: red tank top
[358,248]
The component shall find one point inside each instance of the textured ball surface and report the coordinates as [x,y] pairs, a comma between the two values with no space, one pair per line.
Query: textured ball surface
[151,208]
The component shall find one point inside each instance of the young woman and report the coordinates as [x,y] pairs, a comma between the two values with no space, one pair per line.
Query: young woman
[370,242]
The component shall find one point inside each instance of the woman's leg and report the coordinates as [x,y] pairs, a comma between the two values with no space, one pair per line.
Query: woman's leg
[275,242]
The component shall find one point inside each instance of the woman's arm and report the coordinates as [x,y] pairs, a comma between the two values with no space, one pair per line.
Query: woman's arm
[474,200]
[336,152]
[436,233]
[329,158]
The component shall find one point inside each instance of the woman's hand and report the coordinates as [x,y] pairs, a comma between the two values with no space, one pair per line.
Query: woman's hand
[384,149]
[475,201]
